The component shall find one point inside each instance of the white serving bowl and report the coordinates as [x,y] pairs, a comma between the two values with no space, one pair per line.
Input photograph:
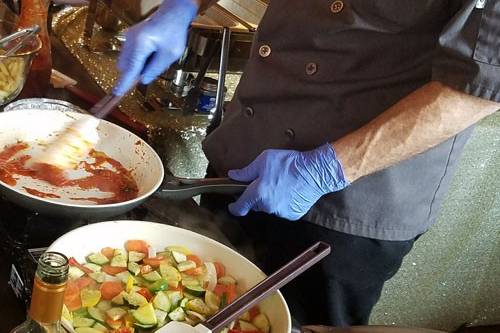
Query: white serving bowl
[80,242]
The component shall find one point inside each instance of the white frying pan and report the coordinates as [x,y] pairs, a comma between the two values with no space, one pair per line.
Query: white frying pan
[37,127]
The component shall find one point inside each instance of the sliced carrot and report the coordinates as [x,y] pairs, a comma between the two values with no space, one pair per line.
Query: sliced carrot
[230,293]
[113,270]
[108,252]
[195,259]
[110,289]
[72,296]
[114,324]
[153,262]
[83,282]
[146,293]
[137,246]
[220,269]
[194,271]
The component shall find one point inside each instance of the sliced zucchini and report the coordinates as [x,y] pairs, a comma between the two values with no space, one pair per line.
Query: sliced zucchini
[145,315]
[161,317]
[100,327]
[92,267]
[120,252]
[246,326]
[98,258]
[185,265]
[119,261]
[162,302]
[182,249]
[212,301]
[170,273]
[66,314]
[195,290]
[245,316]
[83,322]
[152,276]
[197,305]
[104,305]
[119,299]
[116,313]
[190,281]
[195,316]
[135,256]
[159,285]
[179,256]
[87,330]
[75,273]
[97,314]
[123,276]
[177,315]
[183,303]
[175,297]
[98,277]
[143,326]
[82,312]
[134,268]
[226,280]
[262,323]
[136,299]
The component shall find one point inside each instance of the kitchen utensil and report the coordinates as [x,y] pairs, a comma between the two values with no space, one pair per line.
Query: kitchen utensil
[78,139]
[23,37]
[253,296]
[15,66]
[80,242]
[37,126]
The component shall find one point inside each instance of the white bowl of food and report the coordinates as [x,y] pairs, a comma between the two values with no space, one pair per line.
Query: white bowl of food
[165,246]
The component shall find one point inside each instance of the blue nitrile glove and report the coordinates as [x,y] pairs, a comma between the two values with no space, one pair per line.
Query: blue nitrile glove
[287,183]
[160,40]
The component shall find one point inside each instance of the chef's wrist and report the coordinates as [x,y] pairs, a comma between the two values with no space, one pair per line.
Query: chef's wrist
[329,167]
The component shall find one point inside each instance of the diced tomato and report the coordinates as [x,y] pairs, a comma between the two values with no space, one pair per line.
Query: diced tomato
[72,296]
[194,258]
[254,312]
[72,262]
[108,252]
[194,271]
[146,269]
[115,324]
[230,293]
[110,289]
[137,246]
[146,293]
[83,282]
[153,262]
[113,270]
[123,330]
[220,289]
[220,269]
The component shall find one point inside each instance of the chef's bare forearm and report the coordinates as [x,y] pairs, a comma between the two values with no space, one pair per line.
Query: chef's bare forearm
[422,120]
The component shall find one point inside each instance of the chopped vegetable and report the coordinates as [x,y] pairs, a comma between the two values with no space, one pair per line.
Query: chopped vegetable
[111,289]
[145,315]
[113,270]
[162,302]
[98,258]
[90,297]
[137,246]
[97,314]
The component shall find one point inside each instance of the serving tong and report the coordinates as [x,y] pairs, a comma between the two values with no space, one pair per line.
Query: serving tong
[22,36]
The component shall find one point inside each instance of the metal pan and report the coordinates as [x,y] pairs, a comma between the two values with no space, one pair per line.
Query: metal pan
[37,127]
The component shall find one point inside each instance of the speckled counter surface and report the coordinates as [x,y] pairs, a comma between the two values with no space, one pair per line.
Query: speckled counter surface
[453,274]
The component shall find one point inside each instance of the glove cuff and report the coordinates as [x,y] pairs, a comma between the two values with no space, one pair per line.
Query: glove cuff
[329,168]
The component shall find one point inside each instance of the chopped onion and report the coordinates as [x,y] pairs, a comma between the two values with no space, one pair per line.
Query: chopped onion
[210,276]
[151,252]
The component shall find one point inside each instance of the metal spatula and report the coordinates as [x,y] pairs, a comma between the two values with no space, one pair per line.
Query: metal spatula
[269,285]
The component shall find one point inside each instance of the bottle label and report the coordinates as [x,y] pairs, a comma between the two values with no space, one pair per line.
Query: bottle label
[46,301]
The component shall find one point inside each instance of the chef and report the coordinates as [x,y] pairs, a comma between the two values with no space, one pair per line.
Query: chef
[348,123]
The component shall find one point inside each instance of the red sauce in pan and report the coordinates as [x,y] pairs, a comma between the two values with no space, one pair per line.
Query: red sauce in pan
[117,181]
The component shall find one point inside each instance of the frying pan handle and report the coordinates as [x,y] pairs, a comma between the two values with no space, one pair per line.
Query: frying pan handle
[184,188]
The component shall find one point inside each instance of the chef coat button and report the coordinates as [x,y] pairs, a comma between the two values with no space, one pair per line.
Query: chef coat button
[249,112]
[337,6]
[264,51]
[311,68]
[290,133]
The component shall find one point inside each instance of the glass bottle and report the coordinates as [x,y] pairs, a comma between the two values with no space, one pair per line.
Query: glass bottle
[47,297]
[38,80]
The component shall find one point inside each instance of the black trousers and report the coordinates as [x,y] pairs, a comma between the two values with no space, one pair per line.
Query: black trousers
[339,291]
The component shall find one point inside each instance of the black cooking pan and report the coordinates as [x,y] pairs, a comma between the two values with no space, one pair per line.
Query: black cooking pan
[37,127]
